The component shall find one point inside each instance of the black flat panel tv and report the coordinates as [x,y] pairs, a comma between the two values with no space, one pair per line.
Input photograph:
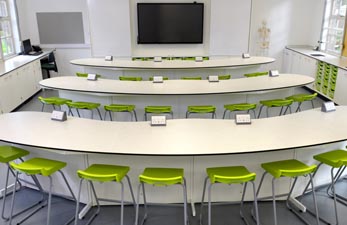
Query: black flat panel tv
[170,23]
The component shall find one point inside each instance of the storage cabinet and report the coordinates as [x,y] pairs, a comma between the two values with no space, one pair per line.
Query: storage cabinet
[19,85]
[341,88]
[297,63]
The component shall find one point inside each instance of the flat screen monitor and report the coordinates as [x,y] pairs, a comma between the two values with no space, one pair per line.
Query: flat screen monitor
[170,23]
[26,46]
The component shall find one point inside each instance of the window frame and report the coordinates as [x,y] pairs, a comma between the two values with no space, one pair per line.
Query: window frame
[333,39]
[9,20]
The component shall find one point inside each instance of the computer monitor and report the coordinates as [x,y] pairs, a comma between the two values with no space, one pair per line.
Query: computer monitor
[26,46]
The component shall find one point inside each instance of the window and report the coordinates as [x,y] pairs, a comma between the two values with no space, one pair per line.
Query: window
[333,26]
[6,32]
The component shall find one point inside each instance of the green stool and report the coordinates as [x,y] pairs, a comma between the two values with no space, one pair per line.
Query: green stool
[190,58]
[300,98]
[239,107]
[120,108]
[83,105]
[86,75]
[104,173]
[43,167]
[158,110]
[224,77]
[229,175]
[201,109]
[291,168]
[336,159]
[122,78]
[142,58]
[191,78]
[53,101]
[276,103]
[8,154]
[161,177]
[256,74]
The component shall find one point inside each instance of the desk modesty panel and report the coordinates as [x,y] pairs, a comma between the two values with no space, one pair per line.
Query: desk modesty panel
[181,137]
[173,64]
[176,87]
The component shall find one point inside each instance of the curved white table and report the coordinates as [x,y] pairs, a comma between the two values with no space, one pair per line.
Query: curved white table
[173,64]
[182,137]
[176,87]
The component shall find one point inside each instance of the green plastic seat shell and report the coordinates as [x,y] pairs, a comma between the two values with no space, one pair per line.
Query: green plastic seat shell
[162,176]
[335,158]
[230,174]
[104,173]
[288,168]
[10,153]
[42,166]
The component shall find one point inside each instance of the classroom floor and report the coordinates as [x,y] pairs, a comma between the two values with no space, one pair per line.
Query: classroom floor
[222,214]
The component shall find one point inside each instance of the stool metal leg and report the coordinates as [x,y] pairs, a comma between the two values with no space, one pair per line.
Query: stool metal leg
[38,185]
[209,204]
[49,200]
[255,204]
[202,200]
[131,191]
[135,115]
[334,194]
[224,113]
[186,222]
[261,108]
[274,201]
[99,113]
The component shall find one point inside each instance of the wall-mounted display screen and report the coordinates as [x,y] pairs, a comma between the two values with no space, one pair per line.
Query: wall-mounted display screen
[170,23]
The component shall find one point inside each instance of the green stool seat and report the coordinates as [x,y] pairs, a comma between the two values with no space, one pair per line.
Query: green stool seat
[256,74]
[229,175]
[83,105]
[44,167]
[158,109]
[300,98]
[188,58]
[10,153]
[200,109]
[239,107]
[120,108]
[276,103]
[122,78]
[288,168]
[86,75]
[41,166]
[104,173]
[54,101]
[291,168]
[191,78]
[336,159]
[224,77]
[161,177]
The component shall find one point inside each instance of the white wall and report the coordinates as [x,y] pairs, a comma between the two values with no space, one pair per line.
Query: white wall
[27,10]
[110,27]
[292,22]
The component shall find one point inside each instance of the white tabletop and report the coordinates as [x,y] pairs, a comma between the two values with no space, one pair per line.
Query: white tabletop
[179,137]
[176,87]
[18,61]
[173,64]
[338,61]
